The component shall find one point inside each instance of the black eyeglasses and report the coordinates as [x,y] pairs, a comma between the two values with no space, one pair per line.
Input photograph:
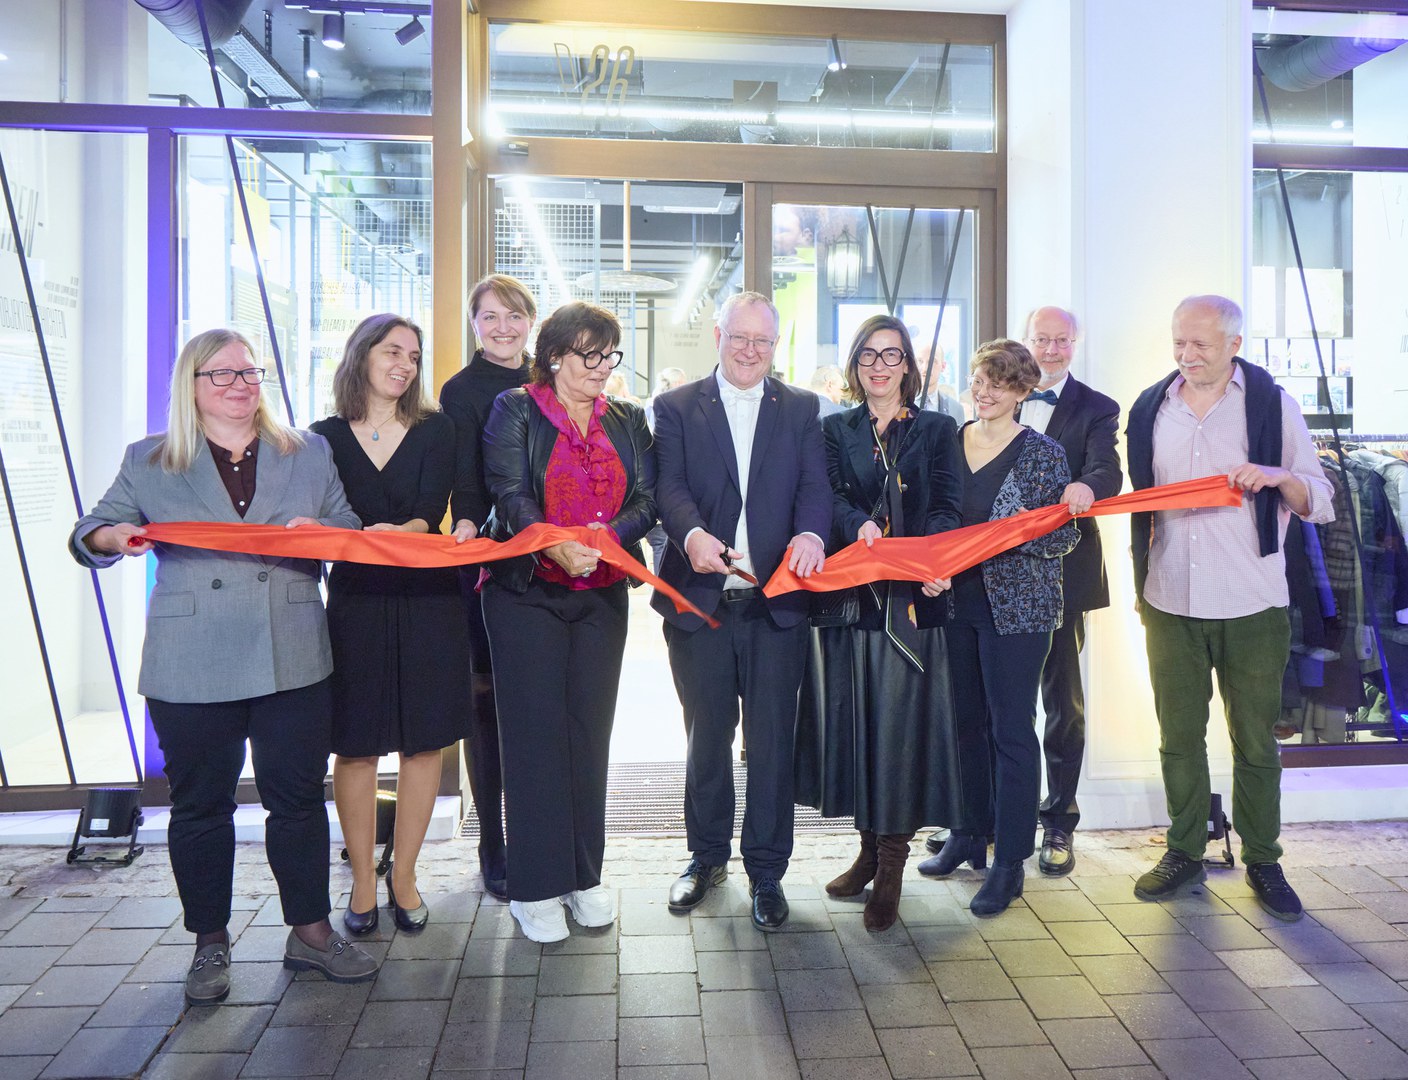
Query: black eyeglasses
[227,376]
[889,357]
[597,358]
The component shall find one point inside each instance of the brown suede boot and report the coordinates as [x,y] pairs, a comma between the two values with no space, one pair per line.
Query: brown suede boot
[883,907]
[854,880]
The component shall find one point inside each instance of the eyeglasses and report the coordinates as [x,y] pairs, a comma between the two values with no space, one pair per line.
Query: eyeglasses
[1043,343]
[982,386]
[889,357]
[596,358]
[742,341]
[227,376]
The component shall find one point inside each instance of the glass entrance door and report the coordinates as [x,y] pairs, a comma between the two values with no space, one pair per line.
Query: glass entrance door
[834,264]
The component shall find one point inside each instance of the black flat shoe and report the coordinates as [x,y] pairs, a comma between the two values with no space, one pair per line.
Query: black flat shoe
[1058,852]
[360,923]
[493,868]
[770,909]
[408,919]
[957,850]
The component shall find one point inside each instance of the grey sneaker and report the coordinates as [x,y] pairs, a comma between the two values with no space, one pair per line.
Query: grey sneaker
[208,980]
[1174,871]
[340,962]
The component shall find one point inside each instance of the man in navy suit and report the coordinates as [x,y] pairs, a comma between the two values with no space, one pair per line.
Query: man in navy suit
[1085,423]
[742,479]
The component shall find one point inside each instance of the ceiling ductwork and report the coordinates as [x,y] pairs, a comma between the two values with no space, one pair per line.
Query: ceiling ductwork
[1314,61]
[182,18]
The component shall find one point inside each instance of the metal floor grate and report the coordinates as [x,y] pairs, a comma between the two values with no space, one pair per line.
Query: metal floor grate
[647,799]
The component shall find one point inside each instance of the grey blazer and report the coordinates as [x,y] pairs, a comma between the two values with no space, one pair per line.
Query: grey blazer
[222,626]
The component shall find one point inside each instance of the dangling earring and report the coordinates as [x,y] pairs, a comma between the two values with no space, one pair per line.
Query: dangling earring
[554,367]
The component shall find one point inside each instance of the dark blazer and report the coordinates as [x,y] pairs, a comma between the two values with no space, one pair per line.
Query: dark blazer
[1085,423]
[788,492]
[518,441]
[930,477]
[1024,584]
[265,611]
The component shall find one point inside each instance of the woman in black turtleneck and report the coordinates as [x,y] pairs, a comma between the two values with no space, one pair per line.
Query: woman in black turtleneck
[502,312]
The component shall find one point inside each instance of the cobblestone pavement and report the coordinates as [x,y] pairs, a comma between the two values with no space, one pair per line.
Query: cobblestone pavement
[1079,979]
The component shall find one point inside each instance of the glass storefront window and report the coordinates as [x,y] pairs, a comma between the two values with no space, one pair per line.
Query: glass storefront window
[343,232]
[831,271]
[624,83]
[81,204]
[663,277]
[1338,84]
[274,56]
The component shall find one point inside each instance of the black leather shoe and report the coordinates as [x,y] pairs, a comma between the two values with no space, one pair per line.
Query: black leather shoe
[1058,856]
[408,919]
[934,842]
[360,923]
[694,884]
[769,904]
[1002,885]
[493,867]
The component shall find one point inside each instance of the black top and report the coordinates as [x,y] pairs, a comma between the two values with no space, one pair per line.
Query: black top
[467,398]
[979,493]
[414,483]
[237,475]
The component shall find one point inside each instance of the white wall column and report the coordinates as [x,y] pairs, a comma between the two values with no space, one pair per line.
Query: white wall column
[1129,188]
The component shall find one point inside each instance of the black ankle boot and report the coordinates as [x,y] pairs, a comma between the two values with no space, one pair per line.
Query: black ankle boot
[956,851]
[1002,885]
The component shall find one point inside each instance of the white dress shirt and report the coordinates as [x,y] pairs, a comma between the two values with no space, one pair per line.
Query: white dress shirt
[741,407]
[1037,414]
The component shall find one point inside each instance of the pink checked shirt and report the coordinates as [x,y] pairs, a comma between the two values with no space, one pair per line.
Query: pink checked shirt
[1206,564]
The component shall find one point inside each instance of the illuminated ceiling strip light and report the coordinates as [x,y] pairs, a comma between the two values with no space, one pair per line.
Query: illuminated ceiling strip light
[529,207]
[1303,135]
[693,286]
[798,117]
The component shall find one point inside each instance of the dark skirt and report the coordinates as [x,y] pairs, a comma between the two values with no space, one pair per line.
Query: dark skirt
[400,671]
[875,738]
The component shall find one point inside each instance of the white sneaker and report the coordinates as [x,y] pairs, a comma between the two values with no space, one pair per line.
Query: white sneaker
[540,920]
[592,907]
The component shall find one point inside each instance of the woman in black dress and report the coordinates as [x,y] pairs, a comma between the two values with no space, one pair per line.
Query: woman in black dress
[502,312]
[399,642]
[1005,611]
[875,732]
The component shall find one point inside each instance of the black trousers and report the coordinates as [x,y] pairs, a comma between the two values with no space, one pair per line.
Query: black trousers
[557,670]
[481,747]
[995,679]
[748,659]
[1063,699]
[289,735]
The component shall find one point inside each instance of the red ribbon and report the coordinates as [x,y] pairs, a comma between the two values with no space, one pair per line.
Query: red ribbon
[924,558]
[420,550]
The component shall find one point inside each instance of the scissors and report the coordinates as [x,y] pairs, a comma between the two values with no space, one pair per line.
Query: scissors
[727,560]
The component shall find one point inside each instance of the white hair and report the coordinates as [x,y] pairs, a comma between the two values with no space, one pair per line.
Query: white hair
[1229,315]
[738,300]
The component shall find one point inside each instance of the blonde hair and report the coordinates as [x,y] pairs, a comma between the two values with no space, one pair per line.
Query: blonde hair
[350,384]
[184,429]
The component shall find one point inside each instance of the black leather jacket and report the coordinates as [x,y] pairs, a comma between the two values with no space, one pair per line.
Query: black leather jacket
[518,441]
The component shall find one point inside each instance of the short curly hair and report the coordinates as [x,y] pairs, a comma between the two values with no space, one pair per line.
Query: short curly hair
[1008,363]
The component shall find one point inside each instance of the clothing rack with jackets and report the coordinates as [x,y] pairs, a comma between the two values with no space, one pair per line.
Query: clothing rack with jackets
[1347,678]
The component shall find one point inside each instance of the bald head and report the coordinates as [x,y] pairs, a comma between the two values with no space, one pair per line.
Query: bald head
[1051,336]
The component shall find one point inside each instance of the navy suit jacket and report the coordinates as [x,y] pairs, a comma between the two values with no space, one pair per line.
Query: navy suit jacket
[1085,423]
[698,487]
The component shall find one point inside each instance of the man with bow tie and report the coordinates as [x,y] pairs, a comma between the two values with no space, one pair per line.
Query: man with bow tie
[742,485]
[1085,423]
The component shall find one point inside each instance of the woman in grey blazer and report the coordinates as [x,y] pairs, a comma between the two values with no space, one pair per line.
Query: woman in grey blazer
[236,649]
